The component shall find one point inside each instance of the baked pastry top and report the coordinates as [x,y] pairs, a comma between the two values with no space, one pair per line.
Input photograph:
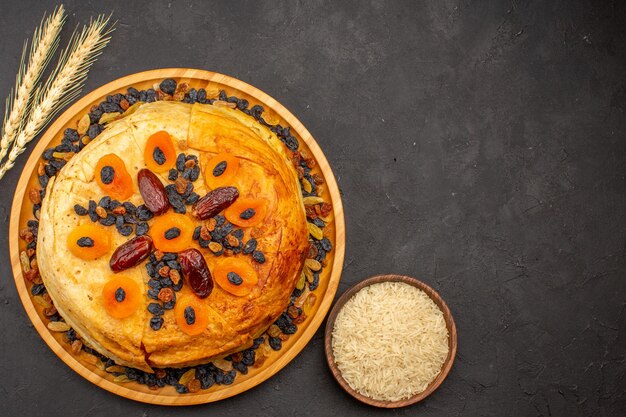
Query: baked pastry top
[234,313]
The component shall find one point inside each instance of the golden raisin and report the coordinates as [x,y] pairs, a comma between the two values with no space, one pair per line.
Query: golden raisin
[166,294]
[34,196]
[160,373]
[211,224]
[77,345]
[174,276]
[204,233]
[158,255]
[101,212]
[164,271]
[181,184]
[193,385]
[119,210]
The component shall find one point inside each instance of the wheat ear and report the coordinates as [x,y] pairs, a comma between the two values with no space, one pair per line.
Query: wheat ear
[44,44]
[64,84]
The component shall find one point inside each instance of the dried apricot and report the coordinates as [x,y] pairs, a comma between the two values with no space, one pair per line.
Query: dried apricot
[112,176]
[172,232]
[159,154]
[121,296]
[236,276]
[221,170]
[192,316]
[246,212]
[89,241]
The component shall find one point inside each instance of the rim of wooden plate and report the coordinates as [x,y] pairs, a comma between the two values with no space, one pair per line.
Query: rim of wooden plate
[452,340]
[265,372]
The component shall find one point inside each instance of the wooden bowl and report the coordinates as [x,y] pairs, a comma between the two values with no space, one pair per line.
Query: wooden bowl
[329,279]
[452,343]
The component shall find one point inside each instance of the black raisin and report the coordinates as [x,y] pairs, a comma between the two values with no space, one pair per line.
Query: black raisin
[158,156]
[37,289]
[315,283]
[106,174]
[234,278]
[130,208]
[80,210]
[120,295]
[125,230]
[133,92]
[109,220]
[172,175]
[247,214]
[119,221]
[243,369]
[290,142]
[156,323]
[190,315]
[168,86]
[85,242]
[141,229]
[92,211]
[275,343]
[143,214]
[50,170]
[180,162]
[172,233]
[57,163]
[248,357]
[258,256]
[105,202]
[43,180]
[192,198]
[169,256]
[47,154]
[155,309]
[242,104]
[71,135]
[153,293]
[195,173]
[220,168]
[249,247]
[219,219]
[170,304]
[290,329]
[94,130]
[154,283]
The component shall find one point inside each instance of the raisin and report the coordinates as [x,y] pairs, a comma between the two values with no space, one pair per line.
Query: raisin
[80,210]
[105,202]
[92,211]
[94,130]
[156,323]
[258,256]
[85,242]
[192,198]
[326,245]
[172,174]
[71,134]
[219,168]
[158,156]
[195,173]
[143,213]
[275,343]
[172,233]
[109,220]
[120,295]
[180,162]
[168,86]
[247,214]
[141,229]
[47,154]
[234,278]
[154,283]
[37,289]
[107,173]
[190,315]
[156,309]
[153,293]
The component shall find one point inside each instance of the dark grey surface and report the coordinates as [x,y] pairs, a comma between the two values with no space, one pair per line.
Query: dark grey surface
[479,146]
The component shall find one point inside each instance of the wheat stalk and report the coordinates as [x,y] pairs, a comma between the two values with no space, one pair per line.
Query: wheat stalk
[64,84]
[44,43]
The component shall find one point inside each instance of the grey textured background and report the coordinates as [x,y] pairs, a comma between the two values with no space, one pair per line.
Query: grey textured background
[478,145]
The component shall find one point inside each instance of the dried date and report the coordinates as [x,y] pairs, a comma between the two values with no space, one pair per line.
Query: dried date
[196,272]
[131,253]
[153,192]
[214,202]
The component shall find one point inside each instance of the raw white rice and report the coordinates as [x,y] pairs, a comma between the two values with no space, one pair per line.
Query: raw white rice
[390,341]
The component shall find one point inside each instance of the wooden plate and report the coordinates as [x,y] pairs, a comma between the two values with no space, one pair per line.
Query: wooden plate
[21,212]
[447,365]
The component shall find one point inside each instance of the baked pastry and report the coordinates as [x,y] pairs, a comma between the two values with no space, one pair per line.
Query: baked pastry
[264,230]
